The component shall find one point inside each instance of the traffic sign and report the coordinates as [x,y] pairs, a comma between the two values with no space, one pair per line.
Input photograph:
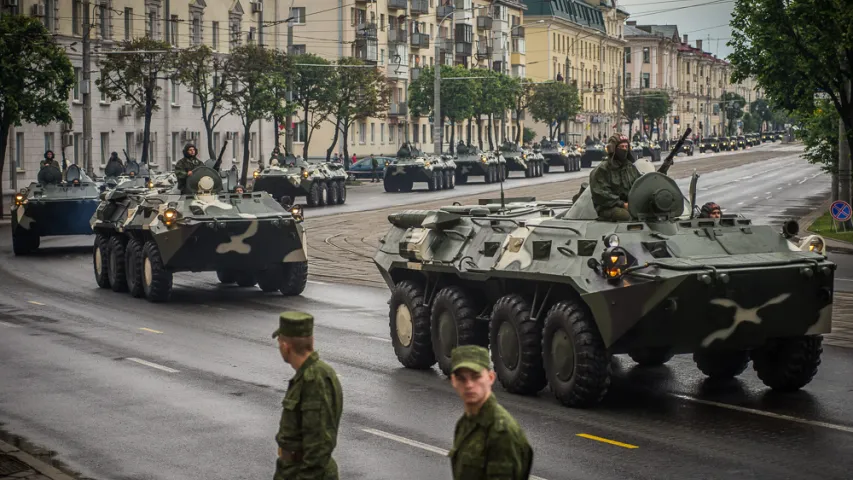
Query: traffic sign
[841,211]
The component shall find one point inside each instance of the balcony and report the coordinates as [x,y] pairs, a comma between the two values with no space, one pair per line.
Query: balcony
[483,51]
[518,32]
[398,109]
[498,66]
[516,59]
[463,49]
[366,30]
[445,44]
[420,7]
[397,71]
[420,40]
[598,89]
[442,11]
[398,4]
[416,73]
[484,23]
[365,49]
[397,36]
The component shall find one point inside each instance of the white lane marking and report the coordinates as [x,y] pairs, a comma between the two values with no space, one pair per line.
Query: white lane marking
[379,339]
[841,279]
[740,203]
[10,325]
[755,198]
[35,303]
[417,444]
[315,282]
[779,416]
[767,193]
[152,365]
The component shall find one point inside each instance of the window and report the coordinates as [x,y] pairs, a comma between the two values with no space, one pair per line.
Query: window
[50,15]
[372,133]
[215,42]
[252,140]
[382,22]
[645,80]
[105,147]
[151,24]
[19,151]
[362,132]
[301,134]
[646,55]
[688,106]
[252,35]
[177,148]
[104,98]
[298,49]
[173,84]
[216,145]
[415,133]
[236,139]
[627,54]
[78,148]
[235,34]
[129,144]
[298,14]
[128,23]
[196,102]
[78,74]
[423,131]
[76,17]
[173,30]
[688,68]
[196,30]
[103,20]
[382,133]
[391,133]
[382,56]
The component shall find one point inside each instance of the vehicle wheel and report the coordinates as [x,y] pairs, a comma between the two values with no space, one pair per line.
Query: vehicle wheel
[690,154]
[24,243]
[516,343]
[788,364]
[568,165]
[453,322]
[461,179]
[100,260]
[410,326]
[528,172]
[324,194]
[721,364]
[546,167]
[539,169]
[450,177]
[133,267]
[651,356]
[576,361]
[439,177]
[294,278]
[432,184]
[226,277]
[487,177]
[156,280]
[116,271]
[342,192]
[405,185]
[313,197]
[333,193]
[269,280]
[245,279]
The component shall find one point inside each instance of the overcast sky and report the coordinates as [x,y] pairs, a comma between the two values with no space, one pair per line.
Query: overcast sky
[693,17]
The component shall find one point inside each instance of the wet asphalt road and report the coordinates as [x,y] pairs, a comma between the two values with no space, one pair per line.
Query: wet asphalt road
[125,389]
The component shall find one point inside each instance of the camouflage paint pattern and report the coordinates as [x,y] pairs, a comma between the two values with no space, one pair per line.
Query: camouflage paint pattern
[295,177]
[419,168]
[474,162]
[57,208]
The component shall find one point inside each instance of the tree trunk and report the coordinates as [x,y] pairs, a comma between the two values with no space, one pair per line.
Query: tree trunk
[480,132]
[245,170]
[470,129]
[452,135]
[146,133]
[4,141]
[276,121]
[345,132]
[518,134]
[307,140]
[334,141]
[491,143]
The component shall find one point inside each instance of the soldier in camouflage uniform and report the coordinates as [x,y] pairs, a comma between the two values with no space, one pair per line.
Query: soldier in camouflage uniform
[312,407]
[185,166]
[488,442]
[50,159]
[611,181]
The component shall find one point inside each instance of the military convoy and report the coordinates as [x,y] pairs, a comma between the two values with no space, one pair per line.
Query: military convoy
[56,204]
[522,160]
[471,161]
[145,235]
[560,157]
[411,165]
[555,292]
[320,183]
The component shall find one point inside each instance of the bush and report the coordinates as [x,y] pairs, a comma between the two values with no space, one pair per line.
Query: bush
[529,135]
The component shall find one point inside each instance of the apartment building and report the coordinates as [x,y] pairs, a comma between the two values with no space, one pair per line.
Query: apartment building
[651,63]
[580,42]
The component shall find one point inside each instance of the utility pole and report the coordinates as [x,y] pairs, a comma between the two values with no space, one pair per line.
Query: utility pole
[288,120]
[261,45]
[436,103]
[87,91]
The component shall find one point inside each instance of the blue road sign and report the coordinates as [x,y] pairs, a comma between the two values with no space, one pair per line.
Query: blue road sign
[841,211]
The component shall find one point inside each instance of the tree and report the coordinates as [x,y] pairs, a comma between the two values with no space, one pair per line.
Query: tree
[312,92]
[820,135]
[529,135]
[522,93]
[202,71]
[457,95]
[132,73]
[360,91]
[750,122]
[653,105]
[553,102]
[761,111]
[35,79]
[732,104]
[253,75]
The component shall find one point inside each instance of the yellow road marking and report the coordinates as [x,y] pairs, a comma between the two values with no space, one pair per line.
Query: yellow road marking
[606,440]
[35,303]
[150,330]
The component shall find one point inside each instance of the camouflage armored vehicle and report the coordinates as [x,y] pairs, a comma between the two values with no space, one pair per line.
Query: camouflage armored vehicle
[559,157]
[471,161]
[651,149]
[144,236]
[555,292]
[56,204]
[522,160]
[593,152]
[411,165]
[320,183]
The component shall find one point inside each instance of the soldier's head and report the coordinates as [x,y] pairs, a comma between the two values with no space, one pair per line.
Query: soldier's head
[710,210]
[295,336]
[48,155]
[239,189]
[190,151]
[471,374]
[617,147]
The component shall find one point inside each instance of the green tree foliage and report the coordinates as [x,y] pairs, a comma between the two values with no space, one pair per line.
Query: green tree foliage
[35,79]
[732,104]
[253,76]
[312,92]
[522,94]
[554,101]
[761,111]
[458,96]
[359,92]
[529,135]
[133,74]
[751,122]
[496,94]
[651,105]
[819,134]
[202,71]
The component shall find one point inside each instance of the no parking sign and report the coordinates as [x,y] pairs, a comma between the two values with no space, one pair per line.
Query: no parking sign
[841,211]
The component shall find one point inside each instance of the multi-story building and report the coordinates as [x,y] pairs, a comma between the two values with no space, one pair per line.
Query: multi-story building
[651,64]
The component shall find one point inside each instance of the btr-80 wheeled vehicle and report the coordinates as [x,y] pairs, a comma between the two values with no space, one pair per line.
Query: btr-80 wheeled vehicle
[559,157]
[320,183]
[555,293]
[56,204]
[411,165]
[522,160]
[471,161]
[144,236]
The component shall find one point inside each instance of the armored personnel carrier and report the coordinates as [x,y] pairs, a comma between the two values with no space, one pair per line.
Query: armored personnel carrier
[470,160]
[593,152]
[555,293]
[522,160]
[558,157]
[650,149]
[56,204]
[144,236]
[411,165]
[320,183]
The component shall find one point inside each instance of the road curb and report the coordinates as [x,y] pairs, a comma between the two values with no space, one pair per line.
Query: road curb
[832,245]
[40,469]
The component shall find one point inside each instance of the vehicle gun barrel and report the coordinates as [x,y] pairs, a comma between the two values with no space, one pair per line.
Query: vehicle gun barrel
[667,162]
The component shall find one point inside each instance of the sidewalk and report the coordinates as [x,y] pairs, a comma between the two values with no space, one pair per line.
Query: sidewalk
[16,464]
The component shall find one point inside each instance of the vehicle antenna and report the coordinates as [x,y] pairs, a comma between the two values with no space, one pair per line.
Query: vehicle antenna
[501,176]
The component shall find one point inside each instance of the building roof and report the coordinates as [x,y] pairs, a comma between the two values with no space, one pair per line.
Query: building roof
[632,31]
[574,11]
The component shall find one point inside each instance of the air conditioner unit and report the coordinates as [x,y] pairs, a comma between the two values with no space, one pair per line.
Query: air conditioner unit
[125,111]
[257,7]
[229,136]
[38,10]
[67,127]
[185,136]
[140,136]
[10,3]
[67,140]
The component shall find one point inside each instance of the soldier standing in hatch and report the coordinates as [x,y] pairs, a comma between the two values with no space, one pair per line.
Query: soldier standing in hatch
[611,181]
[488,442]
[311,414]
[185,166]
[49,159]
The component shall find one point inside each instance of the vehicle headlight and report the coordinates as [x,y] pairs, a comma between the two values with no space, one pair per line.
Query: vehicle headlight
[427,164]
[150,184]
[170,216]
[524,156]
[387,163]
[256,174]
[611,240]
[816,245]
[297,213]
[614,261]
[20,199]
[484,159]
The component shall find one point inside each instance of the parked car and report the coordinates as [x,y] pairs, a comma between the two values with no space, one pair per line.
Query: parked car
[362,169]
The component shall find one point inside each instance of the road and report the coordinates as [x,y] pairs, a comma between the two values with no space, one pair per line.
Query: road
[124,389]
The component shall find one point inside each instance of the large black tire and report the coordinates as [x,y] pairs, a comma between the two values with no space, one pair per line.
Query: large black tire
[546,167]
[116,270]
[410,326]
[516,343]
[133,267]
[342,192]
[294,278]
[576,362]
[528,172]
[788,364]
[156,280]
[449,178]
[313,196]
[100,260]
[333,194]
[227,277]
[721,364]
[453,321]
[324,194]
[432,184]
[651,356]
[25,242]
[269,280]
[390,185]
[405,185]
[568,165]
[461,179]
[488,177]
[439,177]
[246,279]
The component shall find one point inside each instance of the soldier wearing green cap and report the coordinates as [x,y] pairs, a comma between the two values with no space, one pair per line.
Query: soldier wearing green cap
[611,181]
[488,442]
[312,407]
